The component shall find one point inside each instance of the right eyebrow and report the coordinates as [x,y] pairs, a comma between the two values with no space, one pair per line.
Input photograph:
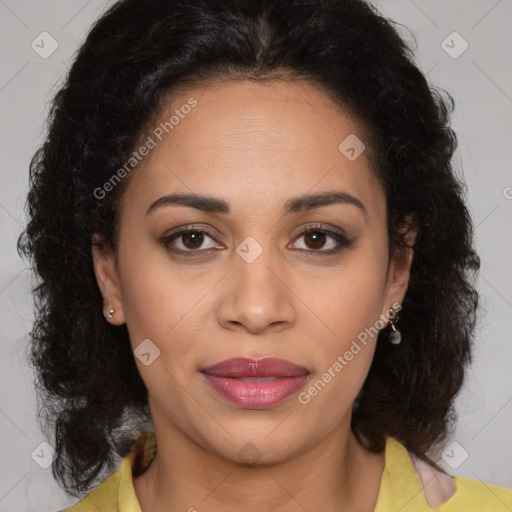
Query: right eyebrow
[203,203]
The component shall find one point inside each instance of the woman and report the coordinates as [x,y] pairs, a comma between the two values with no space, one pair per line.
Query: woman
[256,265]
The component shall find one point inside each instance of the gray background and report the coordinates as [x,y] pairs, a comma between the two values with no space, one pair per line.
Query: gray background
[480,80]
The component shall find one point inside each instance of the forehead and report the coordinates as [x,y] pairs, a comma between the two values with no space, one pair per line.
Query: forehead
[249,142]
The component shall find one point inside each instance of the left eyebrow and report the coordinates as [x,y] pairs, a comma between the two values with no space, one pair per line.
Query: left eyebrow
[312,201]
[297,204]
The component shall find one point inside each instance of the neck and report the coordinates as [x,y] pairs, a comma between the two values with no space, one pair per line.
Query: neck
[336,474]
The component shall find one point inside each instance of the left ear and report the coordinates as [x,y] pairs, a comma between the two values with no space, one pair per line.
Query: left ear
[400,266]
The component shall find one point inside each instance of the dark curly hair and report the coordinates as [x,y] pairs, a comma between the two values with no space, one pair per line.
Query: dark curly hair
[135,56]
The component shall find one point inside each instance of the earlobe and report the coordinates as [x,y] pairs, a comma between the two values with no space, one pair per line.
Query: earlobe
[107,279]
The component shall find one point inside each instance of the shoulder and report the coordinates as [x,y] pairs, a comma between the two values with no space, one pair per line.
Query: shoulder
[451,493]
[438,487]
[412,485]
[478,496]
[103,497]
[116,492]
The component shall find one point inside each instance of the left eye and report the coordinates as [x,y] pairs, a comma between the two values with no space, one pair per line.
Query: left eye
[316,239]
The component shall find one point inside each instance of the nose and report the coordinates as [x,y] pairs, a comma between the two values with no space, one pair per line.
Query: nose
[258,296]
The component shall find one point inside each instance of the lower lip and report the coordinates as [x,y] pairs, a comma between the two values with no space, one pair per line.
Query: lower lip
[256,395]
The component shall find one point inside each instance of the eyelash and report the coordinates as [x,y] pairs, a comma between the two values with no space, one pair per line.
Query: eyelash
[342,240]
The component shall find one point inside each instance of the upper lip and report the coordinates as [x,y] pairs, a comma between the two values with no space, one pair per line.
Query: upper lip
[242,367]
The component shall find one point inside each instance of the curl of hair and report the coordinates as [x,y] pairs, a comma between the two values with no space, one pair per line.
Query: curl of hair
[135,55]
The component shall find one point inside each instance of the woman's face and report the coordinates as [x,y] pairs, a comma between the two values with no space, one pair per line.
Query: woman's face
[245,283]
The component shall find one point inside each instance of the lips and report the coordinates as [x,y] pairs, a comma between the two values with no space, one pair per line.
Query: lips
[255,383]
[242,367]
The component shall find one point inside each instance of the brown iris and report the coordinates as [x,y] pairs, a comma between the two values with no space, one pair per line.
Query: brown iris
[318,239]
[196,238]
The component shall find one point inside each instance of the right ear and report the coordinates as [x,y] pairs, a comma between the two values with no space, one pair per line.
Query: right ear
[108,279]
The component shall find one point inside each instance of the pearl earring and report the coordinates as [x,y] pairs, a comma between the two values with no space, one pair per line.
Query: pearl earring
[394,337]
[110,313]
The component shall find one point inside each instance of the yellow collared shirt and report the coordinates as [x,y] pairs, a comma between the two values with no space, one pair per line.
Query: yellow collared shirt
[401,487]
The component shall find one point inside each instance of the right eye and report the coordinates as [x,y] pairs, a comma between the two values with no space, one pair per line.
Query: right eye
[191,240]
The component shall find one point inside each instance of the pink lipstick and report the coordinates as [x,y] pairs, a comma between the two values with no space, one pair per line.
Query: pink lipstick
[256,383]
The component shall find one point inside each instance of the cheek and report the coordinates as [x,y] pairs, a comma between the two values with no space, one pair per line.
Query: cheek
[148,300]
[356,300]
[158,306]
[349,307]
[344,356]
[351,296]
[164,304]
[153,296]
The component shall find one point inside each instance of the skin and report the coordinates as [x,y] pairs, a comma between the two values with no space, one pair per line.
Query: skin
[254,146]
